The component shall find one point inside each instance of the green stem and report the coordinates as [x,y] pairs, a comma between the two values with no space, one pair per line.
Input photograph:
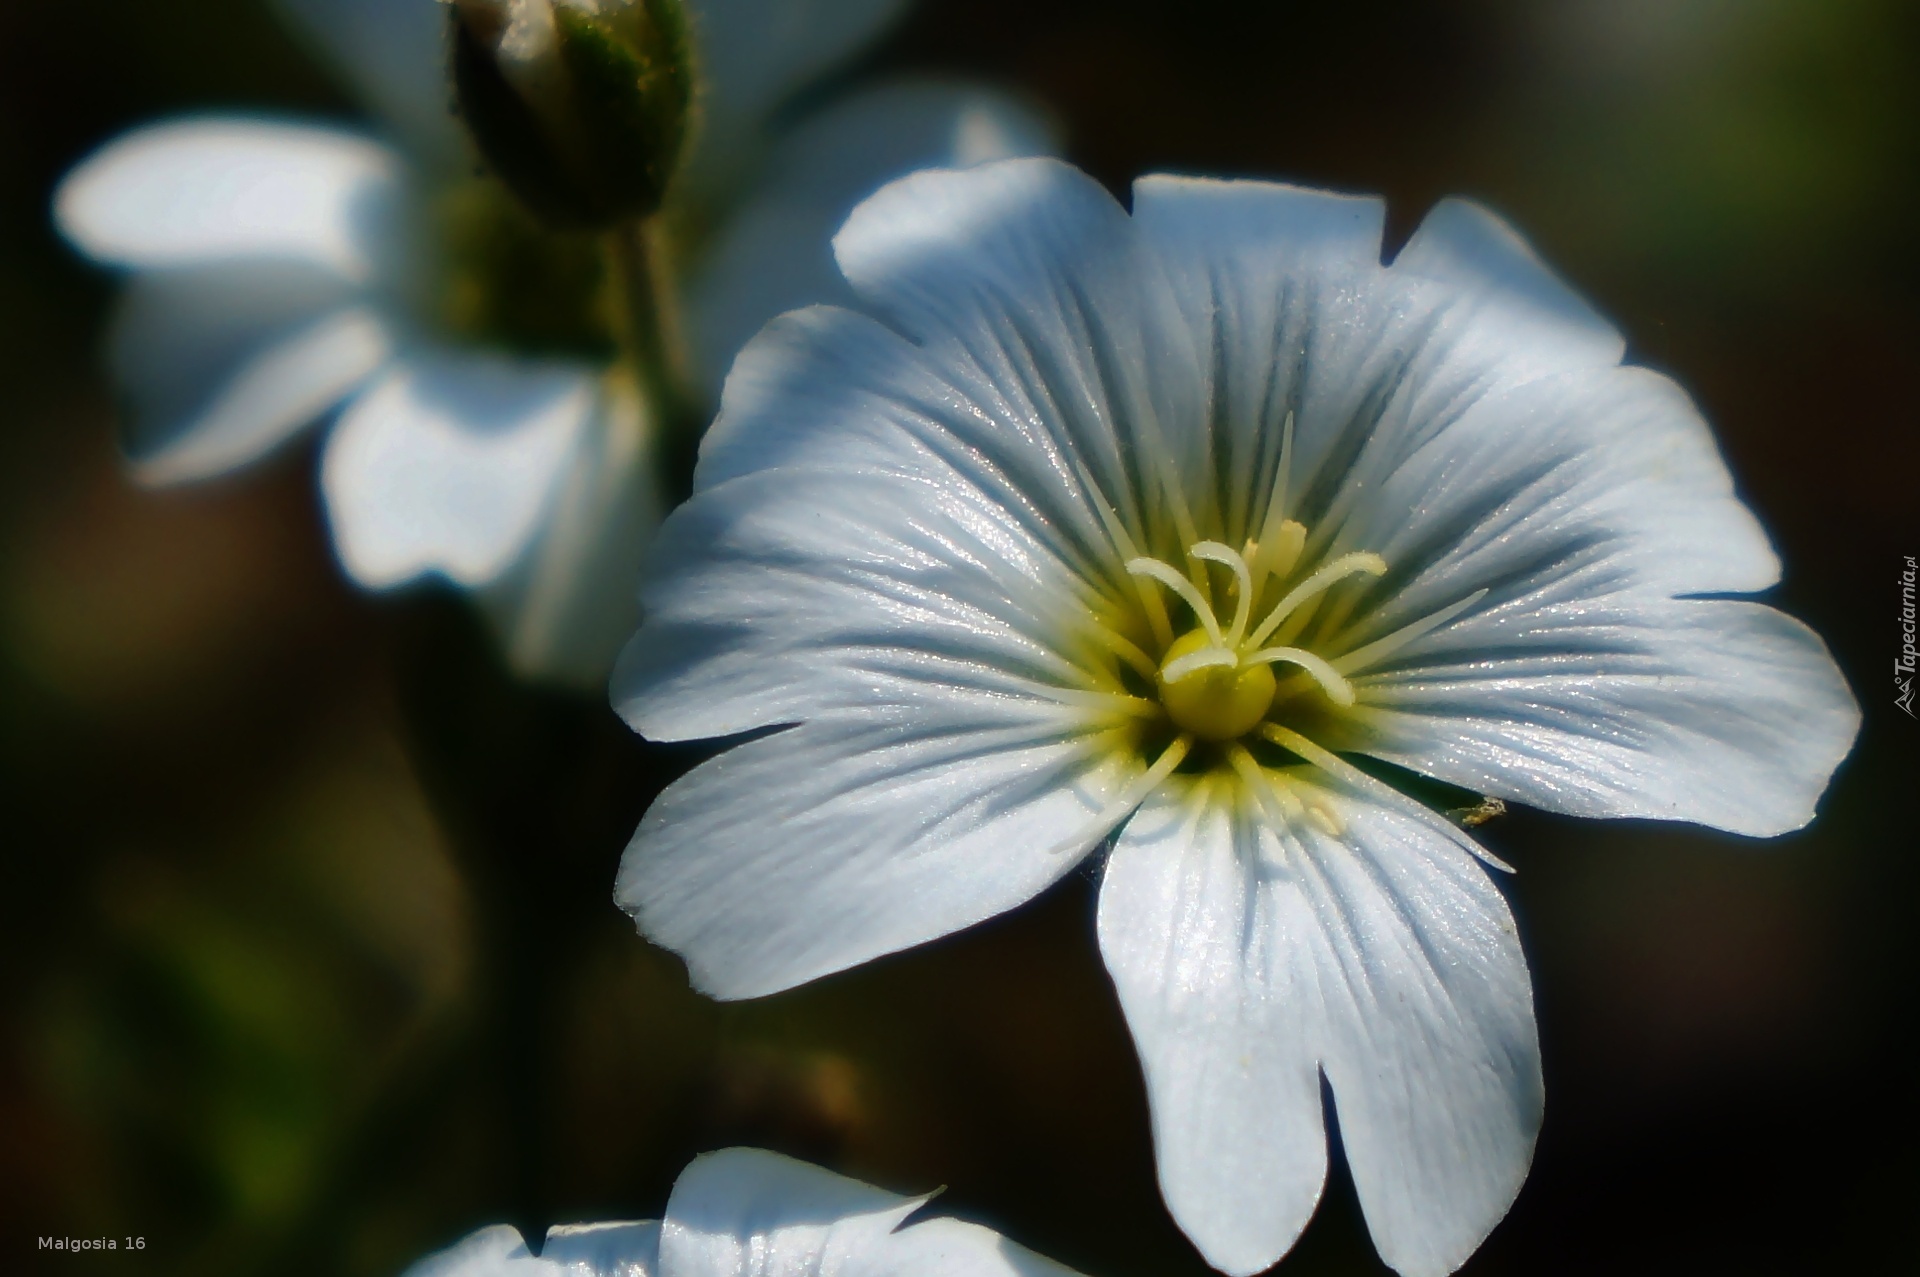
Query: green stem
[647,321]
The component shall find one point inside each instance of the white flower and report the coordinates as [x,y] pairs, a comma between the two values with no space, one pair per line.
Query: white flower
[283,270]
[743,1211]
[1144,528]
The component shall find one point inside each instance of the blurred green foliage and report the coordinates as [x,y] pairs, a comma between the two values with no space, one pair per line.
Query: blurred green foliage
[512,282]
[309,958]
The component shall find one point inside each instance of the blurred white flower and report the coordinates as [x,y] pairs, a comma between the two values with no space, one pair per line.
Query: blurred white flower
[1143,529]
[743,1211]
[284,270]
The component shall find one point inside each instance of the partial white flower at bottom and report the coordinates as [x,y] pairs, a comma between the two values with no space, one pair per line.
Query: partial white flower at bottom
[1151,530]
[742,1211]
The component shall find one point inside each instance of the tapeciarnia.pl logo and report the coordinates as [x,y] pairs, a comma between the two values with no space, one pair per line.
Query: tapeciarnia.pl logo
[1903,663]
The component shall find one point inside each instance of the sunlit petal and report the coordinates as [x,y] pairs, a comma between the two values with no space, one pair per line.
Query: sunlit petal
[868,833]
[200,191]
[223,364]
[1216,971]
[450,463]
[571,601]
[775,254]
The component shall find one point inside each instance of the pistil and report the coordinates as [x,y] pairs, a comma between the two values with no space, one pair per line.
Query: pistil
[1221,701]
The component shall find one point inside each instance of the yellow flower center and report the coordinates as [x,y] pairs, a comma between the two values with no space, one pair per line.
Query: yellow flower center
[1216,681]
[1216,702]
[1178,664]
[1214,684]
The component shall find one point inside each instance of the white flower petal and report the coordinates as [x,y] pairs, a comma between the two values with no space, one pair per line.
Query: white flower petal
[222,364]
[1522,308]
[1463,415]
[1430,1051]
[494,1251]
[1286,290]
[869,493]
[820,847]
[775,253]
[1030,291]
[192,192]
[742,1212]
[616,1249]
[1215,968]
[753,54]
[943,1247]
[393,53]
[450,463]
[1386,957]
[1567,487]
[887,543]
[1725,713]
[1256,268]
[572,601]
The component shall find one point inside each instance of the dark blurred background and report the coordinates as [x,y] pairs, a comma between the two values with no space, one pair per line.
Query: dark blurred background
[309,961]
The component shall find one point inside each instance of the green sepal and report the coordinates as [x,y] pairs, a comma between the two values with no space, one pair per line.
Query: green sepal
[633,97]
[604,150]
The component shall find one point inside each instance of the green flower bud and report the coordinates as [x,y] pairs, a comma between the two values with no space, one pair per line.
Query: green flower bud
[579,105]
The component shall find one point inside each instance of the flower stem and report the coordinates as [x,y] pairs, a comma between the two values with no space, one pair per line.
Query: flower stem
[647,321]
[535,792]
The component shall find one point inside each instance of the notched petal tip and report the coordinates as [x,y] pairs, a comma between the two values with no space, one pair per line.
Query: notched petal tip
[1463,243]
[1334,226]
[497,1250]
[450,464]
[615,1248]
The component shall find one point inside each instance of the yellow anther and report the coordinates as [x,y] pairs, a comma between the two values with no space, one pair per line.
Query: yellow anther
[1278,553]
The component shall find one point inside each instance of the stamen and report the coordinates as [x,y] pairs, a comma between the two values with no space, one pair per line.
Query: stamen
[1272,525]
[1131,797]
[1149,599]
[1278,552]
[1265,791]
[1184,588]
[1296,625]
[1215,552]
[1147,428]
[1339,767]
[1345,566]
[1381,648]
[1338,690]
[1136,706]
[1194,662]
[1124,648]
[1339,608]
